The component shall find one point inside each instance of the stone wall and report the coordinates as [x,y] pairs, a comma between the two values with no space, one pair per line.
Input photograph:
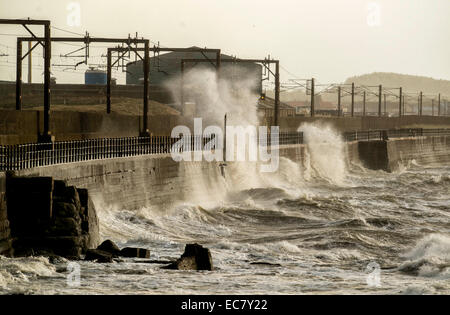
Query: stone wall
[23,126]
[48,217]
[5,240]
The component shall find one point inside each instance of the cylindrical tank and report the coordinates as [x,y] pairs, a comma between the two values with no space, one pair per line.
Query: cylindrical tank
[94,76]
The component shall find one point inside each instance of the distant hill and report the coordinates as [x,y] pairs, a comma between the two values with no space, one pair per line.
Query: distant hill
[409,83]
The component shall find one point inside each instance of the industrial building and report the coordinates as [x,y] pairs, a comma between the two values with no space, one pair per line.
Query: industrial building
[167,66]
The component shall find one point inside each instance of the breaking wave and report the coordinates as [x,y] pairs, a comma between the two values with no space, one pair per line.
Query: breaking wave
[429,258]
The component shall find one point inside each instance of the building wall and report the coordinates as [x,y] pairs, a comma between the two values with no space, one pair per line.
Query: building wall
[22,126]
[77,94]
[170,68]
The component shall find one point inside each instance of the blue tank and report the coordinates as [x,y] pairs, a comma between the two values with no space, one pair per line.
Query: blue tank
[93,76]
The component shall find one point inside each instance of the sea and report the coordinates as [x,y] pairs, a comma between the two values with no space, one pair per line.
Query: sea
[332,227]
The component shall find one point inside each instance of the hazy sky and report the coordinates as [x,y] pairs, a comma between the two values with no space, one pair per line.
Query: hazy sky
[326,39]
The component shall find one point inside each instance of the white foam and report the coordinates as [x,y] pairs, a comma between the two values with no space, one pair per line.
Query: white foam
[326,150]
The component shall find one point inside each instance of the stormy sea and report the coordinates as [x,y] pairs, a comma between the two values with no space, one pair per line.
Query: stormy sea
[332,227]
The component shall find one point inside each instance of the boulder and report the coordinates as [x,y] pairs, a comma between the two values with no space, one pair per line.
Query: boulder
[70,247]
[109,247]
[195,257]
[64,209]
[71,195]
[65,227]
[98,256]
[133,252]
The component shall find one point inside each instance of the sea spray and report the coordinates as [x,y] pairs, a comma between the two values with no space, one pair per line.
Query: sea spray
[326,152]
[430,257]
[215,97]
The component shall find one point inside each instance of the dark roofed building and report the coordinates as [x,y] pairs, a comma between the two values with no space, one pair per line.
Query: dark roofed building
[168,65]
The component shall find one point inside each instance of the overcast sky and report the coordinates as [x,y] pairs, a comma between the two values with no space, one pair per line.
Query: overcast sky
[326,39]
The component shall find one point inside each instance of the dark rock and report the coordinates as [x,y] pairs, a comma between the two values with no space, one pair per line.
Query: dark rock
[47,217]
[55,259]
[99,256]
[59,188]
[109,247]
[195,257]
[66,246]
[135,252]
[64,209]
[6,248]
[84,196]
[65,227]
[71,195]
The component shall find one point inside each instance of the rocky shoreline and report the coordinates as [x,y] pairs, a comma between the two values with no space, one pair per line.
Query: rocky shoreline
[40,216]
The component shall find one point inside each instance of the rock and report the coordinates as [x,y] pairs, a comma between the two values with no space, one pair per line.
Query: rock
[109,247]
[133,252]
[70,247]
[99,256]
[65,227]
[64,209]
[195,257]
[71,195]
[59,188]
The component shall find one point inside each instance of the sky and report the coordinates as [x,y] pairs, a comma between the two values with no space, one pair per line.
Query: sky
[329,40]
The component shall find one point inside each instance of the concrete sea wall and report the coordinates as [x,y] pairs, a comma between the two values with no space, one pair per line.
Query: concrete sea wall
[158,181]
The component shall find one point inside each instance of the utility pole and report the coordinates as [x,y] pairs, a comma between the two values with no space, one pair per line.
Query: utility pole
[312,98]
[30,63]
[339,101]
[380,88]
[439,104]
[182,89]
[364,103]
[400,103]
[46,136]
[145,131]
[385,105]
[108,85]
[404,105]
[353,99]
[19,77]
[420,103]
[432,107]
[277,92]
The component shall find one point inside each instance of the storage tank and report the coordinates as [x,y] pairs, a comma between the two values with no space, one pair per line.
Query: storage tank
[95,76]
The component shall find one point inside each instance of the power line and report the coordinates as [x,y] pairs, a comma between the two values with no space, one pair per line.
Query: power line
[67,31]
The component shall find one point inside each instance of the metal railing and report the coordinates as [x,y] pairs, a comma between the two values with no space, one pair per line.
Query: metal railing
[393,133]
[24,156]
